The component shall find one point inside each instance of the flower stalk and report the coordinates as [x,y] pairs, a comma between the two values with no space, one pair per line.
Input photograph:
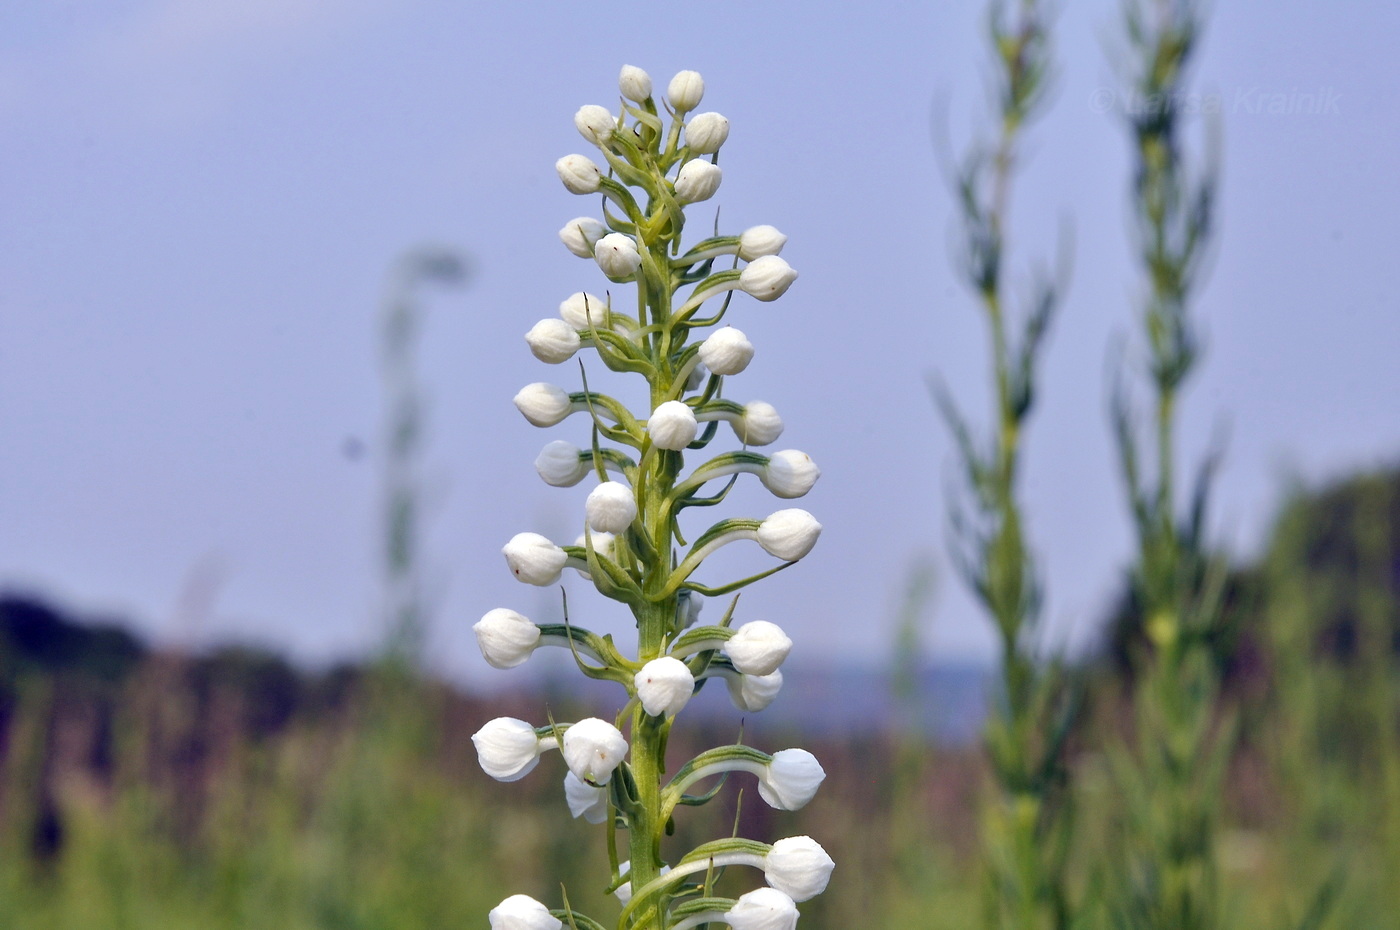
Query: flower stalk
[633,547]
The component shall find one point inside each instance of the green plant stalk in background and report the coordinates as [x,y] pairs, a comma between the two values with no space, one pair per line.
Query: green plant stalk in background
[633,547]
[1027,817]
[403,446]
[1171,778]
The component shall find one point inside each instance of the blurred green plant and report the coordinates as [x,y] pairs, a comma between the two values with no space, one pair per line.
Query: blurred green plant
[404,433]
[1027,823]
[1171,777]
[1331,629]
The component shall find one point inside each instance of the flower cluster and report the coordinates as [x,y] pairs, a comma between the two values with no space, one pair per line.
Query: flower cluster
[655,162]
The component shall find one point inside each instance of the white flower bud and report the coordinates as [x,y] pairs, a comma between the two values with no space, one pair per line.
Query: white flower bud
[688,607]
[506,638]
[553,341]
[595,123]
[561,464]
[767,277]
[760,424]
[580,235]
[611,507]
[752,693]
[664,686]
[580,310]
[634,83]
[798,867]
[617,255]
[579,174]
[534,559]
[685,91]
[624,891]
[543,404]
[726,351]
[593,748]
[705,133]
[763,909]
[507,748]
[789,534]
[697,180]
[672,425]
[790,473]
[697,377]
[791,780]
[585,801]
[758,241]
[602,545]
[522,912]
[758,647]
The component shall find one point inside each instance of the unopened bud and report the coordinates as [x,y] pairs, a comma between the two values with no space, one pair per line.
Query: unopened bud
[705,133]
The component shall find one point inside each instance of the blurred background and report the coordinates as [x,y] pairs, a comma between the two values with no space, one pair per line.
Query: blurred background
[241,244]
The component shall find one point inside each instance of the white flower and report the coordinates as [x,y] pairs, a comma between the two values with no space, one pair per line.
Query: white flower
[506,638]
[752,693]
[758,647]
[611,507]
[791,780]
[760,424]
[522,912]
[595,123]
[593,748]
[624,891]
[543,404]
[726,351]
[634,83]
[685,91]
[705,133]
[553,340]
[617,255]
[763,909]
[798,867]
[534,559]
[508,749]
[790,473]
[664,686]
[789,534]
[697,180]
[561,464]
[758,241]
[579,235]
[672,425]
[767,277]
[584,311]
[579,174]
[586,801]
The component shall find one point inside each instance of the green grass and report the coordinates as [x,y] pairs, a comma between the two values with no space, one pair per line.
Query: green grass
[376,817]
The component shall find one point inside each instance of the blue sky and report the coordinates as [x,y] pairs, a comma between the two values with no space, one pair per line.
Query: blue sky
[202,201]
